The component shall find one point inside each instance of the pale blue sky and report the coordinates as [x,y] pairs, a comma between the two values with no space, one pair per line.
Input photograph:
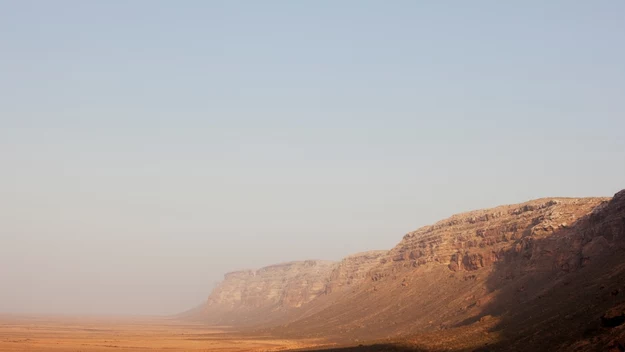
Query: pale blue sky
[147,147]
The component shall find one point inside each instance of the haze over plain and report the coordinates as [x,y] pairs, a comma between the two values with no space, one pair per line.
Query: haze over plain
[147,148]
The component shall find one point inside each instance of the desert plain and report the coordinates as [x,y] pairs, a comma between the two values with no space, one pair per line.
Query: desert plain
[87,334]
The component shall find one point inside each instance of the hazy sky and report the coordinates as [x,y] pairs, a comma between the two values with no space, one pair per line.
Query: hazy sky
[147,147]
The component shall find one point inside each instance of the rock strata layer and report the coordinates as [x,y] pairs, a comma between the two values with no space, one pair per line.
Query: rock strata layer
[549,268]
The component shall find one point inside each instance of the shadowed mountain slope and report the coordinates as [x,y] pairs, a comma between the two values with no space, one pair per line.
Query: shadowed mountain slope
[547,274]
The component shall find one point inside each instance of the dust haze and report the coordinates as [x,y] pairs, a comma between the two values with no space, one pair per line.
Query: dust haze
[124,196]
[258,171]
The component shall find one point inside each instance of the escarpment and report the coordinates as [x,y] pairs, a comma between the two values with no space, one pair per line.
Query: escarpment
[353,270]
[249,297]
[518,269]
[275,293]
[288,284]
[478,239]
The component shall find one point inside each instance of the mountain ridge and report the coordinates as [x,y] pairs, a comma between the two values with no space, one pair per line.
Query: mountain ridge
[442,277]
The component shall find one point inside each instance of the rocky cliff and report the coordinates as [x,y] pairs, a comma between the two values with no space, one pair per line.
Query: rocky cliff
[288,284]
[353,270]
[253,296]
[549,268]
[478,239]
[274,293]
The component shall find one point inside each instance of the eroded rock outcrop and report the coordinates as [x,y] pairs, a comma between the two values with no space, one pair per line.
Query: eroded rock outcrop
[478,263]
[477,239]
[353,270]
[549,263]
[289,284]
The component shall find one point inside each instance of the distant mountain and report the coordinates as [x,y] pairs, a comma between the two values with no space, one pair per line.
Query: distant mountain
[548,274]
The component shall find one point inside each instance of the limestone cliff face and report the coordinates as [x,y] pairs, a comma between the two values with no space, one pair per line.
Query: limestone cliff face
[527,265]
[353,270]
[476,263]
[275,293]
[478,239]
[274,287]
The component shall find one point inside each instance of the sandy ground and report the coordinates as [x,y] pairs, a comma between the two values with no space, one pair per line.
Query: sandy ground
[53,333]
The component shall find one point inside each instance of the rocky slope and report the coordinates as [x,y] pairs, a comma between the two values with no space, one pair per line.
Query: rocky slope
[353,270]
[255,296]
[276,293]
[546,274]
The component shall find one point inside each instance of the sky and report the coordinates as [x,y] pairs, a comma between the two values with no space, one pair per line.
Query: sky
[148,147]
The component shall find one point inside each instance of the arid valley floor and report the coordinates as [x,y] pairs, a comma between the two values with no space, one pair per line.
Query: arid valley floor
[87,334]
[102,333]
